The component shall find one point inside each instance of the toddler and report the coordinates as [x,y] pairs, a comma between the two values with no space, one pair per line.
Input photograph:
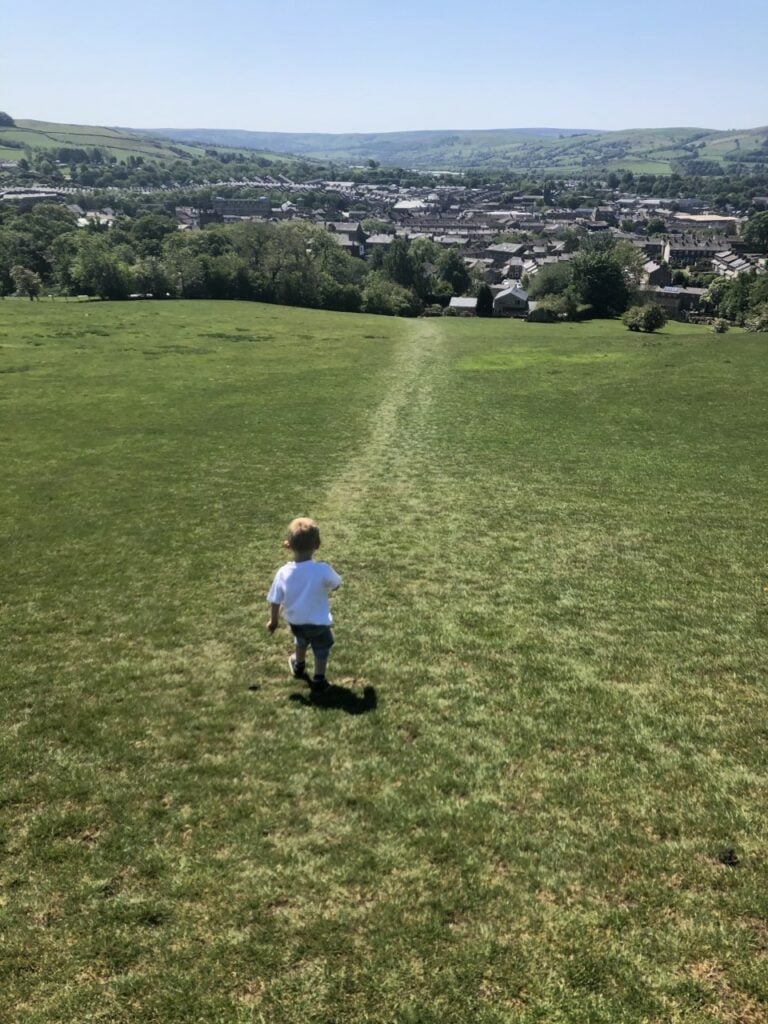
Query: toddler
[302,587]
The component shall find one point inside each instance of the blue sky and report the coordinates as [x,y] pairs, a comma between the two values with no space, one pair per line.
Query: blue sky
[350,66]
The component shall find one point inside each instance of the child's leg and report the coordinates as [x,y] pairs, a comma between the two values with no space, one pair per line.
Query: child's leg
[322,641]
[300,654]
[321,648]
[297,661]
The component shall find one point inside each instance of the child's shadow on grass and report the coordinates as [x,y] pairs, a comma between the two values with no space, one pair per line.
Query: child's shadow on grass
[339,698]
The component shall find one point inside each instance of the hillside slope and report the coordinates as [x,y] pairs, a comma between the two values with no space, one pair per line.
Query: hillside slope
[555,151]
[120,143]
[559,152]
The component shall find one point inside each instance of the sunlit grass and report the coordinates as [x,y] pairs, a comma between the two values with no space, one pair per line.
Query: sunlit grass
[549,720]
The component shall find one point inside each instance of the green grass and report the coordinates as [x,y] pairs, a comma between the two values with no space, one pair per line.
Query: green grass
[553,627]
[121,143]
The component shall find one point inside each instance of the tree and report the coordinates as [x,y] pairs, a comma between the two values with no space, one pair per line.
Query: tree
[756,232]
[149,230]
[150,278]
[731,299]
[605,275]
[96,269]
[382,295]
[484,301]
[27,238]
[452,268]
[26,282]
[552,279]
[397,263]
[758,321]
[572,240]
[424,255]
[377,226]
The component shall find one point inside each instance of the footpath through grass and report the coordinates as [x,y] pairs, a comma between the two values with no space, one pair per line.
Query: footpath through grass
[549,728]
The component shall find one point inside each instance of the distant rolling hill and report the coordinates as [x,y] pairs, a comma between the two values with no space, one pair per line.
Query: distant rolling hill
[552,151]
[545,150]
[120,143]
[37,135]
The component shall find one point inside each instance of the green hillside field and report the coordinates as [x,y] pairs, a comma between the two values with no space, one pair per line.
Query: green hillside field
[120,143]
[47,135]
[539,151]
[543,151]
[536,791]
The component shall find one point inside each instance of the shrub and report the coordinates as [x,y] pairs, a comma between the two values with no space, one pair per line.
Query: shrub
[645,318]
[382,295]
[758,322]
[541,315]
[346,298]
[564,306]
[719,326]
[633,318]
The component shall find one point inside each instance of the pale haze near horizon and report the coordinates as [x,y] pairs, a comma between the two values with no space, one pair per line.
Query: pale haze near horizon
[300,67]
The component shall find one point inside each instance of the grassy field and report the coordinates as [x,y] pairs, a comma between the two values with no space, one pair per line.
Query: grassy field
[120,143]
[44,135]
[537,790]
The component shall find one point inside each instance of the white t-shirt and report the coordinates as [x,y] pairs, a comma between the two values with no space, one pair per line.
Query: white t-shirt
[302,589]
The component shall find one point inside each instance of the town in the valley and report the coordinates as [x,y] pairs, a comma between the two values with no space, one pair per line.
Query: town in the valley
[505,239]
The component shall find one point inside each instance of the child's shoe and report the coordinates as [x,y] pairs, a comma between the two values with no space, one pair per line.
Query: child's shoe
[298,668]
[318,685]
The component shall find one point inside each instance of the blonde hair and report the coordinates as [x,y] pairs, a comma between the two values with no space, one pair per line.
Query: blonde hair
[302,536]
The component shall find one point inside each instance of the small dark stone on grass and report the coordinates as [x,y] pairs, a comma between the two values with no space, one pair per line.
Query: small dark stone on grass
[728,856]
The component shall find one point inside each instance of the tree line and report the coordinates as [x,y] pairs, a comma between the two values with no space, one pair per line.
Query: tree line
[293,263]
[98,167]
[741,300]
[299,263]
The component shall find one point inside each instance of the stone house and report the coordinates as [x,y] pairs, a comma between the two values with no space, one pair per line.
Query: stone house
[485,267]
[380,242]
[689,252]
[510,302]
[451,240]
[731,264]
[514,269]
[655,274]
[675,302]
[261,207]
[350,235]
[504,251]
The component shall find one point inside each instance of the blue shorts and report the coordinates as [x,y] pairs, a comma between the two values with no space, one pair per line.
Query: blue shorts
[319,638]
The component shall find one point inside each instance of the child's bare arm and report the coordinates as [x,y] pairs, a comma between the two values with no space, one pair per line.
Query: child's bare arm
[274,617]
